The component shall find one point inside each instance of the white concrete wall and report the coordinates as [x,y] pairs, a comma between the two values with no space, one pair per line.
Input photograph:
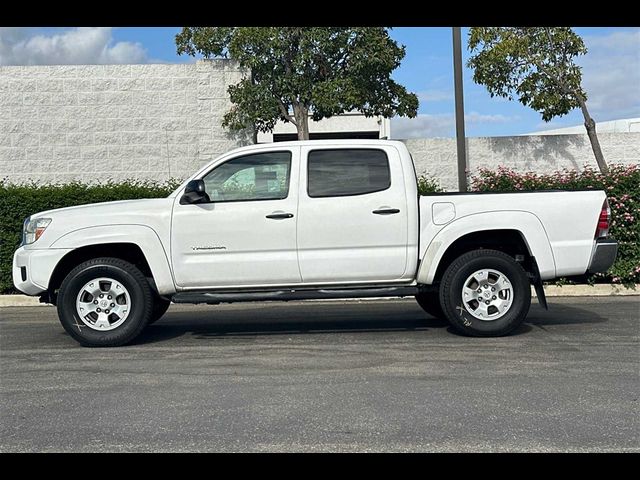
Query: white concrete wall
[541,154]
[95,122]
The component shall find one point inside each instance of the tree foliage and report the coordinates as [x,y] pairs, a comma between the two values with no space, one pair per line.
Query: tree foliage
[297,72]
[536,64]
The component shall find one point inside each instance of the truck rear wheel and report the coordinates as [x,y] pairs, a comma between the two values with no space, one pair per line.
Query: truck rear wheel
[485,293]
[160,307]
[104,302]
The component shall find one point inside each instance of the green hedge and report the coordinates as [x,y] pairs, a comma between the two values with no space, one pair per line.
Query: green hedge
[622,185]
[428,184]
[17,202]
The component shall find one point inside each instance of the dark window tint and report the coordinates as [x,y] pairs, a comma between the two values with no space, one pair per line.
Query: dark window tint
[336,173]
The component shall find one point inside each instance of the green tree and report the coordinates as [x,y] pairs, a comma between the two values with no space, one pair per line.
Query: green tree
[302,72]
[536,64]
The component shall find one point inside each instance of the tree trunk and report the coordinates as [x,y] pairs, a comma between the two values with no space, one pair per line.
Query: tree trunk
[590,125]
[301,114]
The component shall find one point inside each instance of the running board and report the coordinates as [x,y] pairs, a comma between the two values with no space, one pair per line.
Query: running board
[291,294]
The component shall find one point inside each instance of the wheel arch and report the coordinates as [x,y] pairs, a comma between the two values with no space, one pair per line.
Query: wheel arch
[136,244]
[129,252]
[514,233]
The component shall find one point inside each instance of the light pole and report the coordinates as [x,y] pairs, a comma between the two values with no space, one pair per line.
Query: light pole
[458,93]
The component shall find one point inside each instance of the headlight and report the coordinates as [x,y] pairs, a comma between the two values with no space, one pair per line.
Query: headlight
[33,229]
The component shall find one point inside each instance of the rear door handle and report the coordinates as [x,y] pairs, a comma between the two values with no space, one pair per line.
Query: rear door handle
[278,216]
[386,211]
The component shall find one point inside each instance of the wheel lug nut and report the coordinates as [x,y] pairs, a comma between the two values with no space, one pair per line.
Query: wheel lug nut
[109,297]
[95,302]
[106,311]
[98,310]
[479,291]
[113,304]
[493,298]
[101,295]
[487,302]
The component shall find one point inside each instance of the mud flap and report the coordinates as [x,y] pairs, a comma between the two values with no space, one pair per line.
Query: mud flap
[537,284]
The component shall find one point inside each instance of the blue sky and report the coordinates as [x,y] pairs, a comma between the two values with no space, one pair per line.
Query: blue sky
[611,72]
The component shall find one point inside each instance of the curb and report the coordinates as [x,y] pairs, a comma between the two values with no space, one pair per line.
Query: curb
[602,290]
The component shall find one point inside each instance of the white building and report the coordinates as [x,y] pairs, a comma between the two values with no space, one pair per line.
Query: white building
[624,125]
[347,125]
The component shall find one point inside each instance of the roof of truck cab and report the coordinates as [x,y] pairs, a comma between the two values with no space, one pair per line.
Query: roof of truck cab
[314,143]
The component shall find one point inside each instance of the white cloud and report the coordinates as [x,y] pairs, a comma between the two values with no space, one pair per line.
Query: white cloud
[552,125]
[435,95]
[439,125]
[475,118]
[83,45]
[611,75]
[423,126]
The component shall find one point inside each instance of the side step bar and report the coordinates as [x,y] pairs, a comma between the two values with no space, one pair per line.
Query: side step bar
[291,294]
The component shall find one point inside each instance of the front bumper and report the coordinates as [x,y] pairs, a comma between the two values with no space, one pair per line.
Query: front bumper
[32,268]
[603,255]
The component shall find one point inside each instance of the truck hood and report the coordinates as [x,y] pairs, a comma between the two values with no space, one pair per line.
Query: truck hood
[111,208]
[152,212]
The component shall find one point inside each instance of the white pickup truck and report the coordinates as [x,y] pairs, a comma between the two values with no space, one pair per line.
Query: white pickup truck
[309,220]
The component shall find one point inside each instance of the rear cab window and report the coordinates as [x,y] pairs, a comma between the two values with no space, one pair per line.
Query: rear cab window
[346,172]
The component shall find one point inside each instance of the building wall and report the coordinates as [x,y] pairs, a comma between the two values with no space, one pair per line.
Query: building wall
[348,122]
[93,123]
[540,153]
[97,122]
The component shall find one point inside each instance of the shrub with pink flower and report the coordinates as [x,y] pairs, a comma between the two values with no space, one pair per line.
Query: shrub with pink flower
[622,185]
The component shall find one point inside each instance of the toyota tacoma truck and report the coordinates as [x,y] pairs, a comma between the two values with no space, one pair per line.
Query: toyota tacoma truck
[302,220]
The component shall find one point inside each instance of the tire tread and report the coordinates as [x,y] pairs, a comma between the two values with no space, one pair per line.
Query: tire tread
[117,337]
[446,288]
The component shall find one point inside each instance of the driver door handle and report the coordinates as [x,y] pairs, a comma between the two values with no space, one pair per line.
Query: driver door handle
[386,211]
[278,216]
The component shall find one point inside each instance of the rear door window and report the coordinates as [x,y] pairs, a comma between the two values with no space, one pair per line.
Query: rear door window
[346,172]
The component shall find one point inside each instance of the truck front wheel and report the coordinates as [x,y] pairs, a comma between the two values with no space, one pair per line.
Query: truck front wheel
[485,293]
[104,302]
[430,303]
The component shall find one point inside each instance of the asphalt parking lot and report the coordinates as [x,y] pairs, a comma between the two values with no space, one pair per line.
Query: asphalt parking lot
[326,376]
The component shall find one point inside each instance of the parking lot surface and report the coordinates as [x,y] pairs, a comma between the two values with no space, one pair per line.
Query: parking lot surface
[326,376]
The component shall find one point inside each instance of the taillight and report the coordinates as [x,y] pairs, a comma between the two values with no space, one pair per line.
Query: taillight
[603,221]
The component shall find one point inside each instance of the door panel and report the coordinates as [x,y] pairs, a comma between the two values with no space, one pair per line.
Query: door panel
[247,234]
[344,235]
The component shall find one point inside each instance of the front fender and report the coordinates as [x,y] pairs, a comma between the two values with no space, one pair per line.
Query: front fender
[143,236]
[526,223]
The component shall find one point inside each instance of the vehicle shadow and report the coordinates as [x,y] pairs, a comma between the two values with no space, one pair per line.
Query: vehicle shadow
[561,314]
[279,319]
[313,318]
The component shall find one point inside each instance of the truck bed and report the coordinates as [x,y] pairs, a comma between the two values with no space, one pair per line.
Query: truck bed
[565,220]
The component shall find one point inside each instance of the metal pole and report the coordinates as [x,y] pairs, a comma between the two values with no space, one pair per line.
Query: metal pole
[460,136]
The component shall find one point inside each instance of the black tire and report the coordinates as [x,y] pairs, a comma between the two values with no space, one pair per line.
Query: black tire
[160,306]
[451,293]
[130,277]
[430,303]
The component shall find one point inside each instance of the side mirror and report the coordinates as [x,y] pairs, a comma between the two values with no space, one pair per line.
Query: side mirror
[194,192]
